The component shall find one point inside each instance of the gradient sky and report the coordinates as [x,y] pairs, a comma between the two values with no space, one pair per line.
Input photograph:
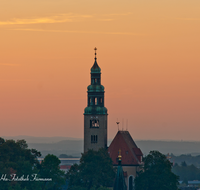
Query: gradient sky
[148,51]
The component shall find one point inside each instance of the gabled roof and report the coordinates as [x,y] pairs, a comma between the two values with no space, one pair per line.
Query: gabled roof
[131,154]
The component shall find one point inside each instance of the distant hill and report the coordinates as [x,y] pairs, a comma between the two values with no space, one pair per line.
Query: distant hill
[175,147]
[74,147]
[69,147]
[31,139]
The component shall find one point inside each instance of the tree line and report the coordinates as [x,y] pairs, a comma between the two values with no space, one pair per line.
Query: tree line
[188,158]
[95,171]
[21,170]
[186,172]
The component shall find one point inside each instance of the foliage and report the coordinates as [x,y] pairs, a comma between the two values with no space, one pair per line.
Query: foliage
[84,188]
[94,171]
[50,169]
[100,188]
[78,188]
[187,172]
[17,159]
[156,174]
[188,158]
[183,164]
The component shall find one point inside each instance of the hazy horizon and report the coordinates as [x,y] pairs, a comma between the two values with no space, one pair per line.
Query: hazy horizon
[75,138]
[74,146]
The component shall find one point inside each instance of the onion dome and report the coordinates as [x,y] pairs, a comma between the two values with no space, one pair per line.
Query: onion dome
[95,88]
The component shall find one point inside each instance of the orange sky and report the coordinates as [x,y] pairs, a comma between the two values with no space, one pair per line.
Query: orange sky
[149,53]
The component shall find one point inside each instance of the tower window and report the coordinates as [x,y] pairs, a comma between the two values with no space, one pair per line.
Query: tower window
[95,80]
[101,100]
[95,101]
[94,123]
[94,138]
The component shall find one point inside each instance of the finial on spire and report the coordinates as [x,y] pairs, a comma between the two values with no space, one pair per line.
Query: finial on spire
[95,49]
[119,156]
[118,124]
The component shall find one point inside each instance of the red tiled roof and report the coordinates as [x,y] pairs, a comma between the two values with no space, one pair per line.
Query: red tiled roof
[64,167]
[137,151]
[131,154]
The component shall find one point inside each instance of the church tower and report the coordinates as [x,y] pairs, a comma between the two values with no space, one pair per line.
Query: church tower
[95,114]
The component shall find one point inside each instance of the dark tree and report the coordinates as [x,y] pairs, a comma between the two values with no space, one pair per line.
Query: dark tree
[17,159]
[50,169]
[156,174]
[183,164]
[187,173]
[94,171]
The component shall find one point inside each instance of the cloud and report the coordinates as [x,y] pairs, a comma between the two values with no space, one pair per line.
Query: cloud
[9,64]
[52,19]
[61,18]
[193,19]
[119,14]
[83,32]
[106,19]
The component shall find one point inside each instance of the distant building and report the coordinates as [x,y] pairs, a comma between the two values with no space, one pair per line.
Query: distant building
[65,168]
[131,156]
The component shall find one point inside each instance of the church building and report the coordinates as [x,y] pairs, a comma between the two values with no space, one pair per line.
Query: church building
[131,160]
[95,131]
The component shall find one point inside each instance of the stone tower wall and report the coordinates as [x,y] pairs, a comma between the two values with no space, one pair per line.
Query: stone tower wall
[100,131]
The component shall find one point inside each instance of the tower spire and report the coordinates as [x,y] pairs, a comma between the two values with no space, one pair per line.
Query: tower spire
[95,49]
[119,180]
[95,68]
[95,114]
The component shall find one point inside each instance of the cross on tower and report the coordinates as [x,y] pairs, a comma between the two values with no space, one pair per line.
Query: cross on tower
[95,49]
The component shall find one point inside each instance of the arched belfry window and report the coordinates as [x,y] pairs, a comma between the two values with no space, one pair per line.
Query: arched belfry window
[95,101]
[94,123]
